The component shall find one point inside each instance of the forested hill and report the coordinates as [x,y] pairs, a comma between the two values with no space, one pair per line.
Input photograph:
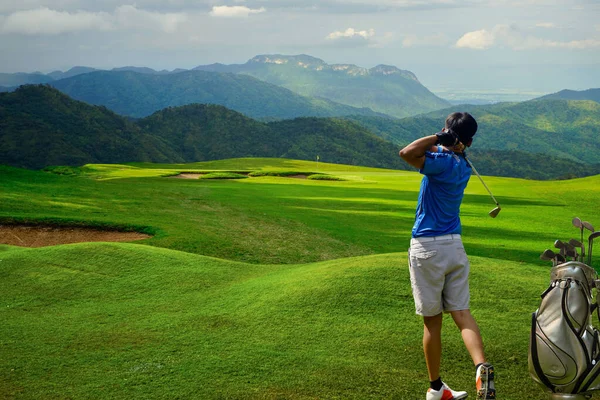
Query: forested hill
[139,94]
[206,132]
[561,128]
[590,94]
[40,126]
[384,88]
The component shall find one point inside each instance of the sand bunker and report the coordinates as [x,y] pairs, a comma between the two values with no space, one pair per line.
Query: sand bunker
[40,236]
[186,176]
[197,176]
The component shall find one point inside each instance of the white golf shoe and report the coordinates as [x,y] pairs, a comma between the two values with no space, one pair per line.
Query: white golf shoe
[445,393]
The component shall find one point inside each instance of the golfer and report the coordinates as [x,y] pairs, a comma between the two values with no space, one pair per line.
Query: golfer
[439,268]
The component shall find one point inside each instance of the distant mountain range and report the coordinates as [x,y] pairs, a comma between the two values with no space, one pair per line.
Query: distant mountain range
[40,126]
[138,95]
[590,94]
[384,88]
[21,78]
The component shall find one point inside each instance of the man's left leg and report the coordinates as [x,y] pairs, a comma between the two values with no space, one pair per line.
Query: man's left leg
[484,375]
[470,334]
[456,300]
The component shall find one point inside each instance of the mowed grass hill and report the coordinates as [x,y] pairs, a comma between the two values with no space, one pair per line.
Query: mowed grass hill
[260,288]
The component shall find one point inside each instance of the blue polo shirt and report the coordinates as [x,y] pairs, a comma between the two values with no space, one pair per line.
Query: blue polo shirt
[445,177]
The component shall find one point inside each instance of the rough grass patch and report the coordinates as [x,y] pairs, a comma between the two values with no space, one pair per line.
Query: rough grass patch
[66,170]
[324,177]
[223,175]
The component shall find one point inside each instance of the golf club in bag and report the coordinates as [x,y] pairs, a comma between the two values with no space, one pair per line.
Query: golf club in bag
[564,347]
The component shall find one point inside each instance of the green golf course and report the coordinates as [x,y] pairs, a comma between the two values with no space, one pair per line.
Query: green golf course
[268,287]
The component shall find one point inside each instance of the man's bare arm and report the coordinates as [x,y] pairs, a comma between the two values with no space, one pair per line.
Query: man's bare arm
[414,153]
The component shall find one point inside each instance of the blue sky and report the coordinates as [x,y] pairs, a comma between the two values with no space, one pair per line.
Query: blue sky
[476,45]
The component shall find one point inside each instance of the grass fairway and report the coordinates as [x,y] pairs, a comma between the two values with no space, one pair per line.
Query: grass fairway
[122,321]
[260,288]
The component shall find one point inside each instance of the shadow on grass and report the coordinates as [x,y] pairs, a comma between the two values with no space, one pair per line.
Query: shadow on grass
[382,219]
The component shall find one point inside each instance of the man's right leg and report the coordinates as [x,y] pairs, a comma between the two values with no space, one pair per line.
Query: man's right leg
[432,347]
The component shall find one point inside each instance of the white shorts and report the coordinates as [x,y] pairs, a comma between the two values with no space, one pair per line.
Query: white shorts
[439,274]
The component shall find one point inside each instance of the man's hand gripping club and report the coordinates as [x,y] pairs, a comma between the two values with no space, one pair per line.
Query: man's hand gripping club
[414,153]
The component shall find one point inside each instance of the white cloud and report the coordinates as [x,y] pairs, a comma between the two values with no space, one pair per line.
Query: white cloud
[351,33]
[44,21]
[545,25]
[130,17]
[51,22]
[425,41]
[510,36]
[479,40]
[11,6]
[574,44]
[234,11]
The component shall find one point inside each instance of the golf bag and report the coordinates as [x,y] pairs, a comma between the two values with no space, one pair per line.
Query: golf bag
[564,347]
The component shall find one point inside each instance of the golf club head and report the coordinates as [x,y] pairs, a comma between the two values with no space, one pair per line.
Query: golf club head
[577,244]
[547,255]
[577,222]
[594,235]
[588,226]
[569,251]
[560,258]
[558,244]
[494,212]
[568,246]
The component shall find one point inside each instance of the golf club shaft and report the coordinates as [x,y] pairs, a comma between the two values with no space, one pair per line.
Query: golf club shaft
[484,185]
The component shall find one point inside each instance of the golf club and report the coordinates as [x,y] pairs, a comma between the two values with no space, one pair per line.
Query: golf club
[572,253]
[495,211]
[547,255]
[569,250]
[559,259]
[593,236]
[578,224]
[577,243]
[560,245]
